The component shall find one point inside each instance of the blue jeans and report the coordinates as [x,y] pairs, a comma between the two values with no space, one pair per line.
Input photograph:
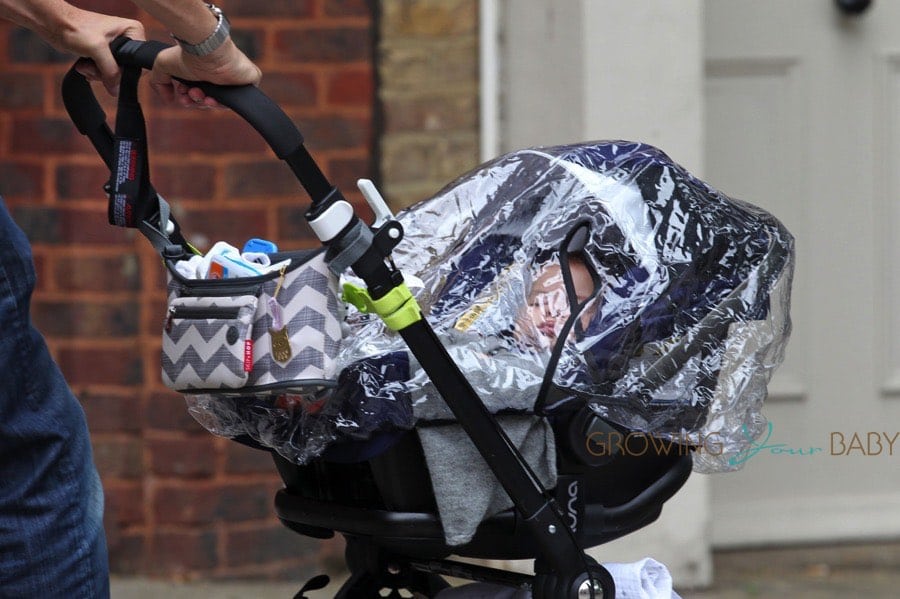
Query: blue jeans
[52,542]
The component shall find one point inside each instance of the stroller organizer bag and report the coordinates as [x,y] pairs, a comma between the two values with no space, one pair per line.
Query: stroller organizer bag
[526,365]
[274,333]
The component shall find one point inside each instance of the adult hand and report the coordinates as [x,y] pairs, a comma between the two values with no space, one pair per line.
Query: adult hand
[89,35]
[227,65]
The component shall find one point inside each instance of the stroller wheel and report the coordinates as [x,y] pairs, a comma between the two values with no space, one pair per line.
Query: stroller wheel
[553,586]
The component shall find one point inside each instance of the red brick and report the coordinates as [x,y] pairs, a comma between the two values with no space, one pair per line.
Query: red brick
[210,133]
[247,501]
[188,458]
[40,270]
[127,553]
[167,411]
[153,360]
[181,552]
[112,413]
[107,320]
[26,46]
[334,45]
[101,366]
[287,9]
[46,135]
[250,40]
[240,459]
[70,225]
[232,225]
[124,504]
[118,458]
[348,8]
[77,181]
[91,227]
[155,285]
[21,90]
[334,132]
[261,179]
[18,179]
[290,89]
[184,181]
[92,273]
[185,504]
[351,88]
[206,503]
[259,546]
[344,172]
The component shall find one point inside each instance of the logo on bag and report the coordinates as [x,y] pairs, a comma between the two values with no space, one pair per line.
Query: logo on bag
[248,355]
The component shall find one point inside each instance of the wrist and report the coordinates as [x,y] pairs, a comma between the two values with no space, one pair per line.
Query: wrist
[203,45]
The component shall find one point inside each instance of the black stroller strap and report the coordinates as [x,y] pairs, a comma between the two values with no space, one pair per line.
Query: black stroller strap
[573,243]
[133,202]
[130,192]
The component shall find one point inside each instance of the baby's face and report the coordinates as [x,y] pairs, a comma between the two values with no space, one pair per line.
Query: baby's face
[547,308]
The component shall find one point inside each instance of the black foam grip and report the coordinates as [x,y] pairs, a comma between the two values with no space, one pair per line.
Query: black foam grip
[246,100]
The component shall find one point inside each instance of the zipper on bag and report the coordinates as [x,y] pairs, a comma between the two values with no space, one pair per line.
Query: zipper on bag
[201,313]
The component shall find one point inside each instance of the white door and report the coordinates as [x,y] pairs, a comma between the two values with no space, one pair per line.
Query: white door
[803,118]
[593,69]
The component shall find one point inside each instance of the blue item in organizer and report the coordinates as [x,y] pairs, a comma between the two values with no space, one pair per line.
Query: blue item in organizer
[259,246]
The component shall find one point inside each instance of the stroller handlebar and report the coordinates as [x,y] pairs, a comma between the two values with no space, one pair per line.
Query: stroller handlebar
[246,100]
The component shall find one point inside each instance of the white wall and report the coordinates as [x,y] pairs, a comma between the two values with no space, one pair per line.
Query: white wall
[606,69]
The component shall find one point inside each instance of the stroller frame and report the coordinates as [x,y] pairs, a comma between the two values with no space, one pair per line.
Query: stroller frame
[381,541]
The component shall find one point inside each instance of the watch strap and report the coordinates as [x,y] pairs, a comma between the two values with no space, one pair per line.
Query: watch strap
[215,39]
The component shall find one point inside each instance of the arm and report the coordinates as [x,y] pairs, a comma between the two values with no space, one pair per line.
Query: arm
[71,29]
[88,34]
[193,22]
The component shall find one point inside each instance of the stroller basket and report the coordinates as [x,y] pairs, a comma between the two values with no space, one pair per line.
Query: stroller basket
[591,294]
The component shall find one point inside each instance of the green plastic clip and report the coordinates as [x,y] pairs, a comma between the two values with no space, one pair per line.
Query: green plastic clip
[398,308]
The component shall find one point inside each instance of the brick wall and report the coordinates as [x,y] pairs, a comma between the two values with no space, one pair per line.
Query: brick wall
[428,73]
[180,502]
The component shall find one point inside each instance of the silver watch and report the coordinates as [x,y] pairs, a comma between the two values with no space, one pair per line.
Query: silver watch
[215,39]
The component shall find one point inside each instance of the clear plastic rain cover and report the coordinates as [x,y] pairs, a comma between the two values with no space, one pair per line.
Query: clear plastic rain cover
[598,274]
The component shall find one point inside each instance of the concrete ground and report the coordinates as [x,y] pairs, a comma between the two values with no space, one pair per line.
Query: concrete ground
[871,570]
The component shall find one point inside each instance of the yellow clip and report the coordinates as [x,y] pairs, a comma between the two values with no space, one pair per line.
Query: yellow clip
[398,308]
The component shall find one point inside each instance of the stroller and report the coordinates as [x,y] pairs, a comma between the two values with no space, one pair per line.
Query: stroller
[617,321]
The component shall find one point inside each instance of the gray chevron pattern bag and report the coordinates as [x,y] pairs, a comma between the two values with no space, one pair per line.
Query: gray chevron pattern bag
[278,332]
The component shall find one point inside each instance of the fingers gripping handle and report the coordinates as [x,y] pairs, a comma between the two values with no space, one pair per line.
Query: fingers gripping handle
[246,100]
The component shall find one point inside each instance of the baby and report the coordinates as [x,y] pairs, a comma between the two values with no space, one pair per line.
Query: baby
[548,308]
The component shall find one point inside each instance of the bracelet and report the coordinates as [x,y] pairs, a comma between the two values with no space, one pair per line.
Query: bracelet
[215,39]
